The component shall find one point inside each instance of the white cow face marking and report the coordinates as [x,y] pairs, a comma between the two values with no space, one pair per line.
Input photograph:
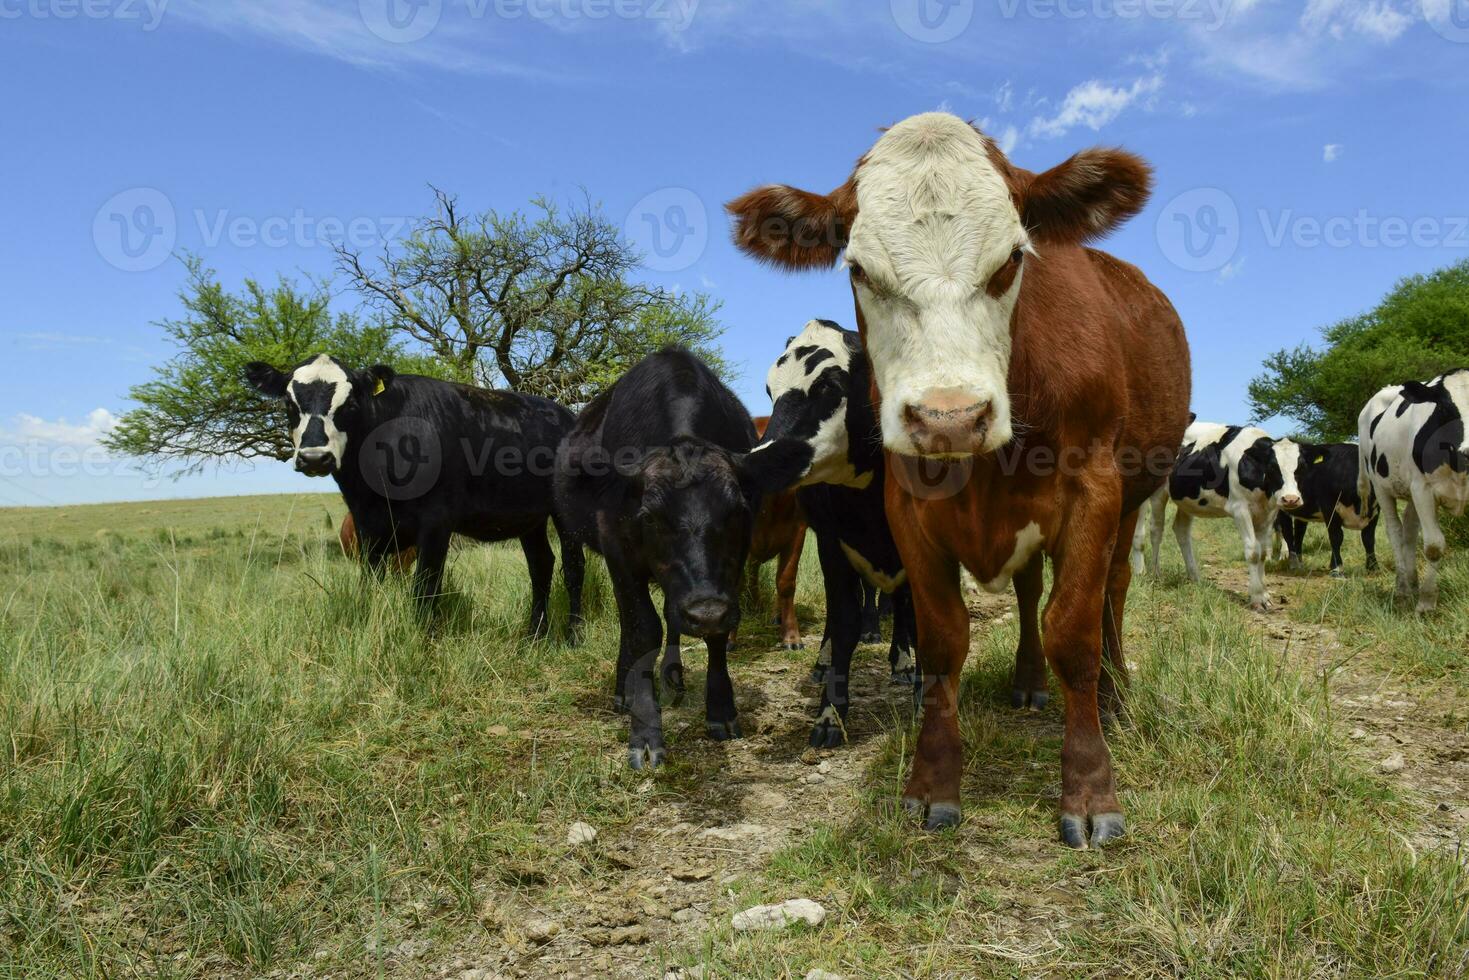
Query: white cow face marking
[934,254]
[314,398]
[809,387]
[1288,458]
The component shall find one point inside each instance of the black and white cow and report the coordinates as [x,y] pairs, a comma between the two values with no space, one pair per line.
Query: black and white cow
[1329,479]
[1232,471]
[419,460]
[820,389]
[1414,449]
[657,476]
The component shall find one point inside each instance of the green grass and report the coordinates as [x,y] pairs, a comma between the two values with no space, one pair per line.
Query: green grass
[223,751]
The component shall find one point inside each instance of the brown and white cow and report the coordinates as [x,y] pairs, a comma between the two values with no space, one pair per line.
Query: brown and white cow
[1033,394]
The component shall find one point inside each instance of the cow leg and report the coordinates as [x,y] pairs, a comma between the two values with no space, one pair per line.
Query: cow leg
[1407,585]
[1074,625]
[573,576]
[1113,679]
[1369,544]
[900,651]
[787,572]
[1434,543]
[721,718]
[541,561]
[641,634]
[1251,530]
[428,577]
[843,620]
[671,674]
[1139,546]
[871,615]
[1283,532]
[1298,545]
[1335,534]
[1183,525]
[1158,515]
[1029,687]
[943,644]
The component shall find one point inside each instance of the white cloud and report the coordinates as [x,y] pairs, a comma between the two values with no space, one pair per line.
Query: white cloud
[1331,152]
[1378,20]
[1231,270]
[1093,104]
[26,428]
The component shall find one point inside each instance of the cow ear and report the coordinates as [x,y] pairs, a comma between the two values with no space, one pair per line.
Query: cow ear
[1249,471]
[775,467]
[379,378]
[1417,391]
[266,379]
[794,229]
[1086,197]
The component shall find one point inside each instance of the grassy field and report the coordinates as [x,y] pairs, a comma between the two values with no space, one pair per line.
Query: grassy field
[226,753]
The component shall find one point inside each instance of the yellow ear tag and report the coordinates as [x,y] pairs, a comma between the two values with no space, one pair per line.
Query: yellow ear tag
[1318,459]
[380,388]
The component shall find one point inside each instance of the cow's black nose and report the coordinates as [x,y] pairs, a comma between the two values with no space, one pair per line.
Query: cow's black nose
[314,462]
[707,615]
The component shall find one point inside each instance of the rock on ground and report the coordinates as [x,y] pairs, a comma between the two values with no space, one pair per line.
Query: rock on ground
[780,916]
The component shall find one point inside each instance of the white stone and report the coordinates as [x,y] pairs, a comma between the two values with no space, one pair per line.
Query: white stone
[779,916]
[580,833]
[1394,763]
[820,974]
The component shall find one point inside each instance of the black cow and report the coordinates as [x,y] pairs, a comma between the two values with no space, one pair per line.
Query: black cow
[419,460]
[656,476]
[820,388]
[1329,480]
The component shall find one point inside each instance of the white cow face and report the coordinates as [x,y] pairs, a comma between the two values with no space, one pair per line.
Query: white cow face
[322,399]
[810,390]
[936,225]
[1287,455]
[935,255]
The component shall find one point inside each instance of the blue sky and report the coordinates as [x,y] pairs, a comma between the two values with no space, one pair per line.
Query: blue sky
[1307,157]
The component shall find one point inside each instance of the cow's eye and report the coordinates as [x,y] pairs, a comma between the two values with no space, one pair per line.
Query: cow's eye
[1017,256]
[859,274]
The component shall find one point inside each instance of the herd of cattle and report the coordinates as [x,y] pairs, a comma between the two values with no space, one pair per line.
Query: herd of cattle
[1010,394]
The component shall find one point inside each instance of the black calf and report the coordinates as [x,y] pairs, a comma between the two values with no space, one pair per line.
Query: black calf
[656,477]
[419,460]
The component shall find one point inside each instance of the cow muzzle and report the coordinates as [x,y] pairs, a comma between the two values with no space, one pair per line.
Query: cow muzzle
[1290,501]
[315,462]
[708,615]
[948,422]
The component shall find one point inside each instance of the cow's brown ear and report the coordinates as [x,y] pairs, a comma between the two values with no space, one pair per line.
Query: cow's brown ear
[792,228]
[1086,197]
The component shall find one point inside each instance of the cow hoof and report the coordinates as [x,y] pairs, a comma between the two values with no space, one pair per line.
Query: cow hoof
[724,731]
[646,756]
[1034,700]
[1260,605]
[872,637]
[827,735]
[793,645]
[942,816]
[1426,606]
[1107,827]
[1371,564]
[619,704]
[1337,573]
[818,674]
[1073,831]
[905,678]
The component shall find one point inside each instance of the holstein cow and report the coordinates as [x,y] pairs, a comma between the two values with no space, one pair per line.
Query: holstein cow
[655,476]
[779,532]
[1232,471]
[1413,446]
[820,388]
[419,460]
[1032,392]
[1329,478]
